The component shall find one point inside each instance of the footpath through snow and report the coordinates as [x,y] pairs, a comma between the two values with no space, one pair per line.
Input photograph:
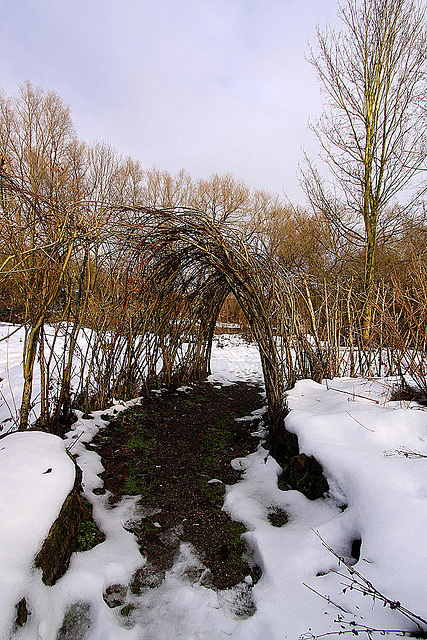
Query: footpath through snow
[372,450]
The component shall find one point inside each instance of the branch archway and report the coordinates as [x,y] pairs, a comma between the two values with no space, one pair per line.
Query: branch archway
[161,273]
[202,261]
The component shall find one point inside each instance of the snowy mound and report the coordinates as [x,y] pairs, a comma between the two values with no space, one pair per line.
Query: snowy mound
[36,475]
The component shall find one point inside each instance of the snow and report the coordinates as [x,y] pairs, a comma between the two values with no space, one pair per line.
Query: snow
[234,359]
[385,493]
[10,373]
[36,475]
[378,491]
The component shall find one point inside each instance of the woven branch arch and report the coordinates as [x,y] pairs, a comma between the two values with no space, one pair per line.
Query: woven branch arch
[204,260]
[175,268]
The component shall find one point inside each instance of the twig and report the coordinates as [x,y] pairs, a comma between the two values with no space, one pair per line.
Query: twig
[359,583]
[10,334]
[405,453]
[355,629]
[358,422]
[351,393]
[327,598]
[74,442]
[12,418]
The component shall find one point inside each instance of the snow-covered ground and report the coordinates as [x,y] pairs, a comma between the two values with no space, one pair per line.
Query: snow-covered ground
[372,452]
[36,475]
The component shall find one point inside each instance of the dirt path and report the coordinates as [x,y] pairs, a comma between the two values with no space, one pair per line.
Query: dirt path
[166,450]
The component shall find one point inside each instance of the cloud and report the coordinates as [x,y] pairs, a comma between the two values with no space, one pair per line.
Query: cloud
[208,85]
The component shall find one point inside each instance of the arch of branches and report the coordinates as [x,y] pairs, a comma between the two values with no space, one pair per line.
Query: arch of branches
[195,262]
[115,299]
[151,283]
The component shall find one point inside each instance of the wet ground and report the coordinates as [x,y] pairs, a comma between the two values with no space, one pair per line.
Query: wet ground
[175,450]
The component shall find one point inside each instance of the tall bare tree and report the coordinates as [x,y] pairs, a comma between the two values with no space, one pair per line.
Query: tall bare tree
[372,132]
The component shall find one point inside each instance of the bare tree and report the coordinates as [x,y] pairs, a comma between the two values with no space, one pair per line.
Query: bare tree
[372,132]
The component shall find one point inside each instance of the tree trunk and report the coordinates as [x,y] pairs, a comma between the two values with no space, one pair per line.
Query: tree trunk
[369,285]
[29,360]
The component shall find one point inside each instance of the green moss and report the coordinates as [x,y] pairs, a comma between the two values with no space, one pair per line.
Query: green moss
[53,558]
[86,536]
[141,483]
[142,529]
[213,491]
[89,534]
[132,486]
[233,552]
[278,517]
[139,442]
[76,623]
[127,610]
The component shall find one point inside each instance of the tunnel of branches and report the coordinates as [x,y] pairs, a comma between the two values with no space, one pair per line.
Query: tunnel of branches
[130,296]
[151,282]
[191,263]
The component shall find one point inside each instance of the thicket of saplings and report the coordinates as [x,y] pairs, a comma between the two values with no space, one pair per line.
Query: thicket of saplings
[120,274]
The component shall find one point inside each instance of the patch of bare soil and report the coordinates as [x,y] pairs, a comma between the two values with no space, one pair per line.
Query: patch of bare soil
[167,449]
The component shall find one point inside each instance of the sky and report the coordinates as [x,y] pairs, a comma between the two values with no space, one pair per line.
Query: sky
[209,86]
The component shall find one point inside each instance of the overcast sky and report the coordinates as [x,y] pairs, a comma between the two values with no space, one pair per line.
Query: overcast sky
[211,86]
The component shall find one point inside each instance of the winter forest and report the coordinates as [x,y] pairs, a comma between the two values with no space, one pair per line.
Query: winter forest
[212,400]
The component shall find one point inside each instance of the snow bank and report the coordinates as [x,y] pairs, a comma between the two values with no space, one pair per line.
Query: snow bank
[377,496]
[11,377]
[36,475]
[378,492]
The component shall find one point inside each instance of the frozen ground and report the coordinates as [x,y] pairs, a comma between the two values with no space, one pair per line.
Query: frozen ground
[372,451]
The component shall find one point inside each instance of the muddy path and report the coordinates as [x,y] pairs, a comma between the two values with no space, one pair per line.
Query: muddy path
[175,450]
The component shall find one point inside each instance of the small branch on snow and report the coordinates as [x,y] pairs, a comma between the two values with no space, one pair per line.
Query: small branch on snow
[358,422]
[357,582]
[10,334]
[404,452]
[355,629]
[327,598]
[74,442]
[351,393]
